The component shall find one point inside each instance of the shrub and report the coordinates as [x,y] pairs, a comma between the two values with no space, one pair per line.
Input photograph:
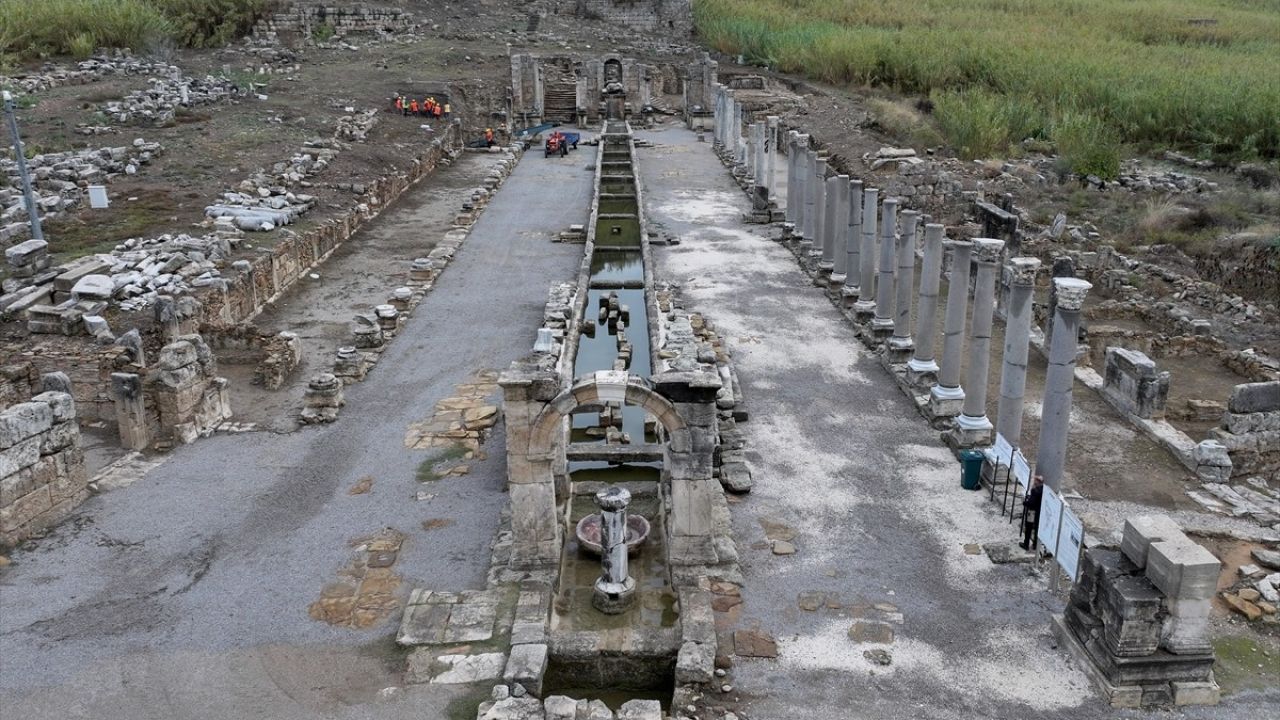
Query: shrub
[1087,145]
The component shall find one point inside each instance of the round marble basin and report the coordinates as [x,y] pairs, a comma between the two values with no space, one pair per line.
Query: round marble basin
[588,532]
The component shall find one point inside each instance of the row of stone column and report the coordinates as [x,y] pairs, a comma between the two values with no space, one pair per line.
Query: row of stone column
[750,145]
[868,264]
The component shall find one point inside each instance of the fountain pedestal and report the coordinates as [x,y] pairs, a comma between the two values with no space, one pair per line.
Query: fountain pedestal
[615,589]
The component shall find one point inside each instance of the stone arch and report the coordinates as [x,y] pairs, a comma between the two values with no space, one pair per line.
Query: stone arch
[600,388]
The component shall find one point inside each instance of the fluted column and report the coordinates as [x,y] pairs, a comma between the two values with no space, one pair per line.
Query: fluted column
[789,210]
[819,181]
[1055,417]
[922,368]
[900,344]
[866,304]
[973,427]
[946,399]
[1017,335]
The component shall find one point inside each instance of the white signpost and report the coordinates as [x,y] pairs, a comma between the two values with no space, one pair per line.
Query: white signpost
[1022,471]
[1001,450]
[1070,543]
[1050,519]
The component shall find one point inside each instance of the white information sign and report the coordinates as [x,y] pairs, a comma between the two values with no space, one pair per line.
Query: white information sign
[1050,519]
[1001,450]
[1070,543]
[1022,471]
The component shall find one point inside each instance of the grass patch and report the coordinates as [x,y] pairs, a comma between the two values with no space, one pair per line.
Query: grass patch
[96,231]
[464,706]
[1193,74]
[436,466]
[40,28]
[1242,666]
[904,122]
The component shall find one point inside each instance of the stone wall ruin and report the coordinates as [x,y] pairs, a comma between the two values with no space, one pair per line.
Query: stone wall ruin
[42,470]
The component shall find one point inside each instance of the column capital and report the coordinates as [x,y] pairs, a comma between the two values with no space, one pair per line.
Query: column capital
[1022,270]
[1071,293]
[987,250]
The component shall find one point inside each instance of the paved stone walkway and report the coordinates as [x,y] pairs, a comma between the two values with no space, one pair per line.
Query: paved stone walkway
[185,594]
[864,492]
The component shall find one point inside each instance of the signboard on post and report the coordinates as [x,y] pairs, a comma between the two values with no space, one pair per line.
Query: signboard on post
[1050,519]
[1022,471]
[1001,450]
[1070,543]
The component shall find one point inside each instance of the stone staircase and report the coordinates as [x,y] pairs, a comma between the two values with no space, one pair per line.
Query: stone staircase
[560,94]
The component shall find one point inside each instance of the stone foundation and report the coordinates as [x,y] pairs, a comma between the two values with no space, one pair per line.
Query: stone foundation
[42,472]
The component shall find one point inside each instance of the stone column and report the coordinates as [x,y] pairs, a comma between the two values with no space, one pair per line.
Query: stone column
[830,211]
[819,181]
[131,413]
[762,180]
[922,368]
[1055,418]
[840,233]
[810,161]
[853,245]
[947,397]
[866,304]
[973,427]
[739,144]
[615,589]
[789,210]
[882,323]
[899,347]
[1017,334]
[771,154]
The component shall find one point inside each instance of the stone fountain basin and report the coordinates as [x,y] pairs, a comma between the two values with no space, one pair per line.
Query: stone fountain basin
[588,532]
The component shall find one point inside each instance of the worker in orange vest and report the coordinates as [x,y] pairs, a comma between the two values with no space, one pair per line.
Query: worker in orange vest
[413,106]
[399,103]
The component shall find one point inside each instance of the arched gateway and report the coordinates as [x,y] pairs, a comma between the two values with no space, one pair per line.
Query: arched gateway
[537,425]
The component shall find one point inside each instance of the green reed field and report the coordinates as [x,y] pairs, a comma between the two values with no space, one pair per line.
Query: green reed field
[1088,75]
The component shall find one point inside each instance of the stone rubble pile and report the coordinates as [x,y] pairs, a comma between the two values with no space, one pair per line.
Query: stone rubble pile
[95,68]
[264,201]
[60,180]
[1256,593]
[356,126]
[158,104]
[133,275]
[508,704]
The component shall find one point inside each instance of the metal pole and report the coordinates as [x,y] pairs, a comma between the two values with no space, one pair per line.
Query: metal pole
[9,108]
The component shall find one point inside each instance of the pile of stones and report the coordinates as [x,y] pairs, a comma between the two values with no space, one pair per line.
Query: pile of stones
[265,201]
[158,104]
[141,269]
[60,180]
[518,704]
[96,68]
[356,126]
[1257,592]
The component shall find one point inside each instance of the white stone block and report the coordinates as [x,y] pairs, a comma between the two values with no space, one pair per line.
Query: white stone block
[1183,569]
[1141,531]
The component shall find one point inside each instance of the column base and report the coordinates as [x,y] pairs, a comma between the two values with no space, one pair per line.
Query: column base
[969,432]
[946,402]
[922,374]
[613,598]
[897,350]
[880,328]
[849,295]
[788,231]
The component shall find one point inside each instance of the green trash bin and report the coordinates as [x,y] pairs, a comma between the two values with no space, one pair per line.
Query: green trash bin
[971,469]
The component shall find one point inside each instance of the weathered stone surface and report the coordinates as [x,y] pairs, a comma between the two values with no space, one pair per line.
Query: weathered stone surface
[512,708]
[1242,606]
[1255,397]
[754,643]
[1183,569]
[640,710]
[1142,530]
[465,669]
[527,665]
[695,663]
[1268,558]
[23,421]
[560,707]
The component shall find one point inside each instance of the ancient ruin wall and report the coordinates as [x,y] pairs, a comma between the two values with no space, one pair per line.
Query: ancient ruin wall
[668,16]
[271,274]
[42,471]
[302,19]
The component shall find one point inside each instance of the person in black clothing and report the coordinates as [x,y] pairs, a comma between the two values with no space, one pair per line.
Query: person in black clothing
[1031,513]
